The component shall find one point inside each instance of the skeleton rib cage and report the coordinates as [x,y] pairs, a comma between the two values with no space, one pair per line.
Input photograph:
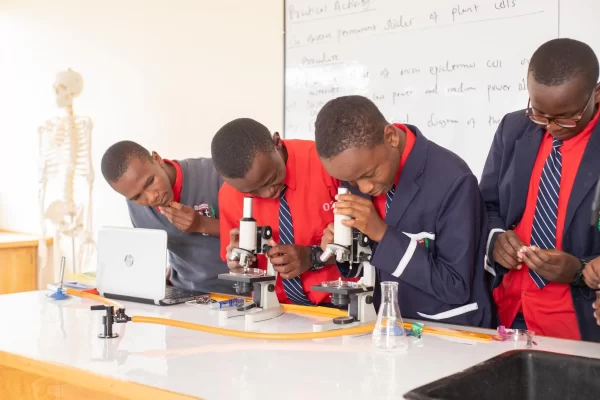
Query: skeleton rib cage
[66,162]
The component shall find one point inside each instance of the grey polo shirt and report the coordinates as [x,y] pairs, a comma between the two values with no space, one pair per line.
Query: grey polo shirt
[193,257]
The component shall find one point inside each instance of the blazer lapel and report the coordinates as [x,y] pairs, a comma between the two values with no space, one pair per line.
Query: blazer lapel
[587,176]
[526,150]
[407,185]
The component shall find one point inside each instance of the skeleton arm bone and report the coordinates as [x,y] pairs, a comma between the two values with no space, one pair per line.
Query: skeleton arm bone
[88,246]
[42,181]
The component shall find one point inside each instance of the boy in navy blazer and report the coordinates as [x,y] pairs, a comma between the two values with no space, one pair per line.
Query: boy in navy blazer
[538,184]
[420,205]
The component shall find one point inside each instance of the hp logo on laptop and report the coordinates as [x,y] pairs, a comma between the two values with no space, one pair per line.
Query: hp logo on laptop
[129,260]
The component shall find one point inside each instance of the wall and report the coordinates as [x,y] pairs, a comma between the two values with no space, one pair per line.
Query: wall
[166,74]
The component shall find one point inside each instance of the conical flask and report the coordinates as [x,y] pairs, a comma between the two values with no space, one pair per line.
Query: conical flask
[389,334]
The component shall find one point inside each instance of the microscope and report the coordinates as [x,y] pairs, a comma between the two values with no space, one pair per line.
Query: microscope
[253,240]
[349,246]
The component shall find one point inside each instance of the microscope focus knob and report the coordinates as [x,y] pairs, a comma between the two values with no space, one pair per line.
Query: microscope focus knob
[266,232]
[363,239]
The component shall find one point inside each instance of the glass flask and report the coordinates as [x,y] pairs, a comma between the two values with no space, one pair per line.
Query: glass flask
[389,334]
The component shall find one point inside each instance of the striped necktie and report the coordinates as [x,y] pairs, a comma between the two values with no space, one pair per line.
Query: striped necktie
[543,232]
[293,287]
[389,198]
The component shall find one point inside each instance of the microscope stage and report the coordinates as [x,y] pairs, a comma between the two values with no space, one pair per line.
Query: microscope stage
[249,275]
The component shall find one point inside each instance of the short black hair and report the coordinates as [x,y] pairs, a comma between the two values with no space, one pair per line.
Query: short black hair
[348,121]
[560,60]
[236,144]
[115,160]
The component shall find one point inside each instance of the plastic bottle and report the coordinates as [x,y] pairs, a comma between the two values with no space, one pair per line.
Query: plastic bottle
[235,302]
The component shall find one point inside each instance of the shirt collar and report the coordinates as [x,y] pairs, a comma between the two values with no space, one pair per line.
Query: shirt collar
[583,135]
[290,166]
[178,184]
[408,144]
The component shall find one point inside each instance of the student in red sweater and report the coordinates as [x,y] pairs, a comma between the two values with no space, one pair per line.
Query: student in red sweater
[292,193]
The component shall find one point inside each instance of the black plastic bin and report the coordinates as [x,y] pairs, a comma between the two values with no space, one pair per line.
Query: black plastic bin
[519,375]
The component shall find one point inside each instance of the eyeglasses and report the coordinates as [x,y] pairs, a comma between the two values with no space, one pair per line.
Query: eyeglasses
[562,122]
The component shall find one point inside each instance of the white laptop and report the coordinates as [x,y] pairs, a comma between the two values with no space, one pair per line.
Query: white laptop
[132,266]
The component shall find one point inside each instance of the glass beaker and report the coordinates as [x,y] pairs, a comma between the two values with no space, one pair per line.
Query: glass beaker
[389,332]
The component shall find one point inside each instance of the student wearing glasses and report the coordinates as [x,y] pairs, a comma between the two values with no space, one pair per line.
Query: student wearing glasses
[538,184]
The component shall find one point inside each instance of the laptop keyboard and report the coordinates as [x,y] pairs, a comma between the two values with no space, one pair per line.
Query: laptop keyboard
[176,293]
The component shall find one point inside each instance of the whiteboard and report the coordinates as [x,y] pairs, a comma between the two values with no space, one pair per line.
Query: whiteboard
[452,68]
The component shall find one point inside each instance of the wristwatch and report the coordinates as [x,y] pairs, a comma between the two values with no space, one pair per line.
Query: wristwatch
[315,258]
[579,280]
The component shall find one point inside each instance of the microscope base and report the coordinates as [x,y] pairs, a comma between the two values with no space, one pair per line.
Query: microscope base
[252,315]
[331,326]
[262,314]
[360,311]
[230,313]
[265,299]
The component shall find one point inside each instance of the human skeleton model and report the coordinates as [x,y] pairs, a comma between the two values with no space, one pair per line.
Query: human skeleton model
[66,161]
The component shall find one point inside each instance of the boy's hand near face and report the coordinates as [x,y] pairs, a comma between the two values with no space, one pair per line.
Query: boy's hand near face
[364,213]
[183,217]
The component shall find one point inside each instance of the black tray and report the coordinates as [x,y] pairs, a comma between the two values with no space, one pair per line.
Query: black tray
[519,375]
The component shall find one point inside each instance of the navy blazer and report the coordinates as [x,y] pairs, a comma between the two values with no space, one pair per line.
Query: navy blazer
[434,245]
[505,184]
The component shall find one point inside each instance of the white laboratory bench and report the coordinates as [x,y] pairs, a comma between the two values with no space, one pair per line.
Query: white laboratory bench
[208,366]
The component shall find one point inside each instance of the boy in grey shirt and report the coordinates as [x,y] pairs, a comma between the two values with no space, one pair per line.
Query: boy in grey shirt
[179,197]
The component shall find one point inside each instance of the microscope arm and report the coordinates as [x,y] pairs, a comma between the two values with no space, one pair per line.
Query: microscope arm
[369,275]
[347,272]
[359,253]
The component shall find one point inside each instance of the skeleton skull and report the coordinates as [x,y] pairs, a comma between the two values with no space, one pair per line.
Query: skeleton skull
[68,85]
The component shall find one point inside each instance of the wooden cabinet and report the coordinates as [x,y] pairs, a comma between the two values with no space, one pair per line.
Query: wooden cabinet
[18,262]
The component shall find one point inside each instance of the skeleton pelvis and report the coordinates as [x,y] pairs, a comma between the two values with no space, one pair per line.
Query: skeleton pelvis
[67,217]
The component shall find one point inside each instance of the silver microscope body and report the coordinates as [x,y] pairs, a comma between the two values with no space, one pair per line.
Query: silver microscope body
[352,247]
[253,240]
